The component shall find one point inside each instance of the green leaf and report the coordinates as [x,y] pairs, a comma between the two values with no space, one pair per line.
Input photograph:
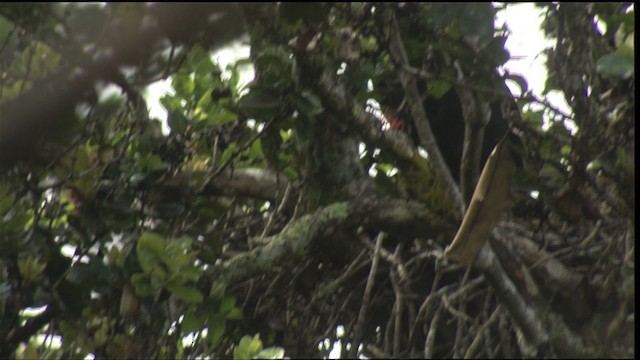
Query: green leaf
[171,102]
[191,273]
[256,344]
[150,250]
[203,105]
[255,151]
[218,290]
[226,154]
[6,199]
[248,347]
[191,323]
[82,160]
[615,66]
[147,260]
[274,352]
[216,330]
[227,304]
[158,275]
[30,267]
[534,118]
[153,242]
[218,115]
[200,60]
[177,259]
[235,314]
[183,85]
[186,293]
[259,103]
[177,121]
[496,52]
[150,163]
[141,283]
[437,88]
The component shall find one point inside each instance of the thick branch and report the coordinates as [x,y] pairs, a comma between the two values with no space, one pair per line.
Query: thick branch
[256,183]
[291,243]
[524,315]
[557,277]
[542,328]
[422,125]
[476,116]
[470,165]
[335,97]
[391,215]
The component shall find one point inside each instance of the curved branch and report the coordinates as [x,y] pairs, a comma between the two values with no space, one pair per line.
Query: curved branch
[383,213]
[291,242]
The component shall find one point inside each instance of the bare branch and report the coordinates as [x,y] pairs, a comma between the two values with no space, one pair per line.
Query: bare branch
[477,114]
[357,337]
[431,335]
[541,327]
[422,125]
[380,212]
[389,257]
[257,183]
[480,333]
[525,316]
[334,96]
[398,309]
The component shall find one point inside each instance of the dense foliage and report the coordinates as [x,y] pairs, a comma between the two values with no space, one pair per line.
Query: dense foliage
[255,220]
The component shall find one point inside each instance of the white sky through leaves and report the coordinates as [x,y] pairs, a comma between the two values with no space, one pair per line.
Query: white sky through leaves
[525,44]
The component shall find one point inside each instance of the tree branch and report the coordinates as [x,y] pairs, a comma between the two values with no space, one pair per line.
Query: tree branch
[263,184]
[422,124]
[359,328]
[291,242]
[525,316]
[476,114]
[542,328]
[24,333]
[334,96]
[398,216]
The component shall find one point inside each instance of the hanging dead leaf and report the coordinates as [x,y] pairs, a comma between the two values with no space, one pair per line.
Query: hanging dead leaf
[491,196]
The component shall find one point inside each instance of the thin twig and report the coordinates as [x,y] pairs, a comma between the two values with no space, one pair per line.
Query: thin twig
[461,310]
[397,328]
[455,312]
[367,295]
[386,255]
[524,315]
[431,335]
[479,334]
